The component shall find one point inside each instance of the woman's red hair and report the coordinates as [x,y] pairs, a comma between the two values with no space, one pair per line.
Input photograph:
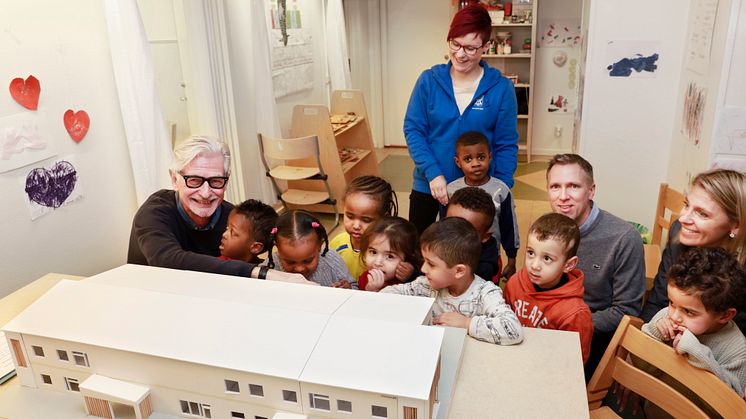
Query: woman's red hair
[471,19]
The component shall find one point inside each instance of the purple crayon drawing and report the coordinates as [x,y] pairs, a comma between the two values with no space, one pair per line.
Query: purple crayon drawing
[638,63]
[52,187]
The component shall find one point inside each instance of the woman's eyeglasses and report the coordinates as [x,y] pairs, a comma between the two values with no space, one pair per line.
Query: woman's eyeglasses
[468,49]
[194,182]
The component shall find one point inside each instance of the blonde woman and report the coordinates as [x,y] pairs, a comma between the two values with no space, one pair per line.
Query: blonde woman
[714,211]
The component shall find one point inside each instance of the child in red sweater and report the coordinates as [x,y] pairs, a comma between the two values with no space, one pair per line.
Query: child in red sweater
[547,292]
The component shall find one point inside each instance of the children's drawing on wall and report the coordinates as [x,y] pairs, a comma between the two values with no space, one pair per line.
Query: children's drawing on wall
[694,106]
[50,187]
[739,165]
[560,33]
[76,124]
[292,49]
[638,59]
[26,92]
[699,42]
[24,140]
[558,103]
[730,131]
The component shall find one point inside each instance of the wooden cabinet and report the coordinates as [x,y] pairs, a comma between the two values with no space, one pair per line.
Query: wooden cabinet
[519,62]
[345,143]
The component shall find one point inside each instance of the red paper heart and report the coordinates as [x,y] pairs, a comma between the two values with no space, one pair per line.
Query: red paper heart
[26,93]
[76,124]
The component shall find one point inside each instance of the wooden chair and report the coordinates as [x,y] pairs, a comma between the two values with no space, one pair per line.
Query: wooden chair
[629,339]
[668,200]
[297,162]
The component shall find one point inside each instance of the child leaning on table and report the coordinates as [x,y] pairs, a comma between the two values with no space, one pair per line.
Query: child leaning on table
[247,234]
[547,293]
[450,249]
[706,286]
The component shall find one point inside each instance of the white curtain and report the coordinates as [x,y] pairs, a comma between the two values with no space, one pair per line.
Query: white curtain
[147,138]
[336,46]
[267,118]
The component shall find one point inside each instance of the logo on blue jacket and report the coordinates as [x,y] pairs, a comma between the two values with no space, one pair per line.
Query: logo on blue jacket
[479,104]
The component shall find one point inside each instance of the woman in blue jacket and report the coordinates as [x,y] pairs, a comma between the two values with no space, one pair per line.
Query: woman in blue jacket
[449,99]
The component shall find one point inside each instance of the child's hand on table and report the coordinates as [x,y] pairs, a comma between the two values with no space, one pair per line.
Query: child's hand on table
[452,319]
[341,284]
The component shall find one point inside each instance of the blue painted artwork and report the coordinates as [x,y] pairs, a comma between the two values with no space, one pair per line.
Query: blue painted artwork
[638,63]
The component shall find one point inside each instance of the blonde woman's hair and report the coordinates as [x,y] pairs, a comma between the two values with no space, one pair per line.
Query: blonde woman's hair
[728,189]
[195,145]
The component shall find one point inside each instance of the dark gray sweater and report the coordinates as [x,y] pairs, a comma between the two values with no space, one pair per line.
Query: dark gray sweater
[613,263]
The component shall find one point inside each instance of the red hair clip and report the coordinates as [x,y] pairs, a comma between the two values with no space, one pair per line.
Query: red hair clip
[314,224]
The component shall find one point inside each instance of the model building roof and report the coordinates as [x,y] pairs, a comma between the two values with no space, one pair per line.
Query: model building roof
[276,329]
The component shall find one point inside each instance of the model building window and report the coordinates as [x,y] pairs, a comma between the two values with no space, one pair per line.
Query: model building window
[80,359]
[238,415]
[38,350]
[259,417]
[344,406]
[289,396]
[196,409]
[256,390]
[232,386]
[71,384]
[379,411]
[62,355]
[319,401]
[46,379]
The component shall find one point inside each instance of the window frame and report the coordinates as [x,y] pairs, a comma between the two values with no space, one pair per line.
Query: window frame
[373,414]
[232,383]
[83,356]
[342,410]
[44,380]
[72,382]
[315,398]
[254,387]
[59,355]
[288,392]
[36,349]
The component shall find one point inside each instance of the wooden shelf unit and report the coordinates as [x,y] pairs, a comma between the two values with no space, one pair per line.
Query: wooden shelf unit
[355,137]
[521,63]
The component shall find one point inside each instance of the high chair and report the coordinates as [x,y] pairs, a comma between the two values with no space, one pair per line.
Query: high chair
[673,201]
[296,162]
[615,366]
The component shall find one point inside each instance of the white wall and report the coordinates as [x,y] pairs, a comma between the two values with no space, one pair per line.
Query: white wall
[725,81]
[67,49]
[312,12]
[416,40]
[627,122]
[550,81]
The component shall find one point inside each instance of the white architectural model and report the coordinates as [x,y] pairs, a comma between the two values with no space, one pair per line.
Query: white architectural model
[200,345]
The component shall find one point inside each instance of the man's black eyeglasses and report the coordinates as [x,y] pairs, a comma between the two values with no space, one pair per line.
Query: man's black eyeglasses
[194,182]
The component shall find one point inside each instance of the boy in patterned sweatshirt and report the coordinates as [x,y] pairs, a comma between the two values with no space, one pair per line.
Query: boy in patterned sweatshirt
[706,286]
[547,293]
[451,249]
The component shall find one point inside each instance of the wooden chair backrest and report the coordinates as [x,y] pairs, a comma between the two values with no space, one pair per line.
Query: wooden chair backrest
[614,366]
[290,148]
[671,200]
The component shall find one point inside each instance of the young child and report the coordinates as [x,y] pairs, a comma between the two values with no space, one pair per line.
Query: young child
[299,237]
[450,249]
[247,234]
[547,292]
[384,245]
[706,286]
[366,199]
[476,206]
[473,157]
